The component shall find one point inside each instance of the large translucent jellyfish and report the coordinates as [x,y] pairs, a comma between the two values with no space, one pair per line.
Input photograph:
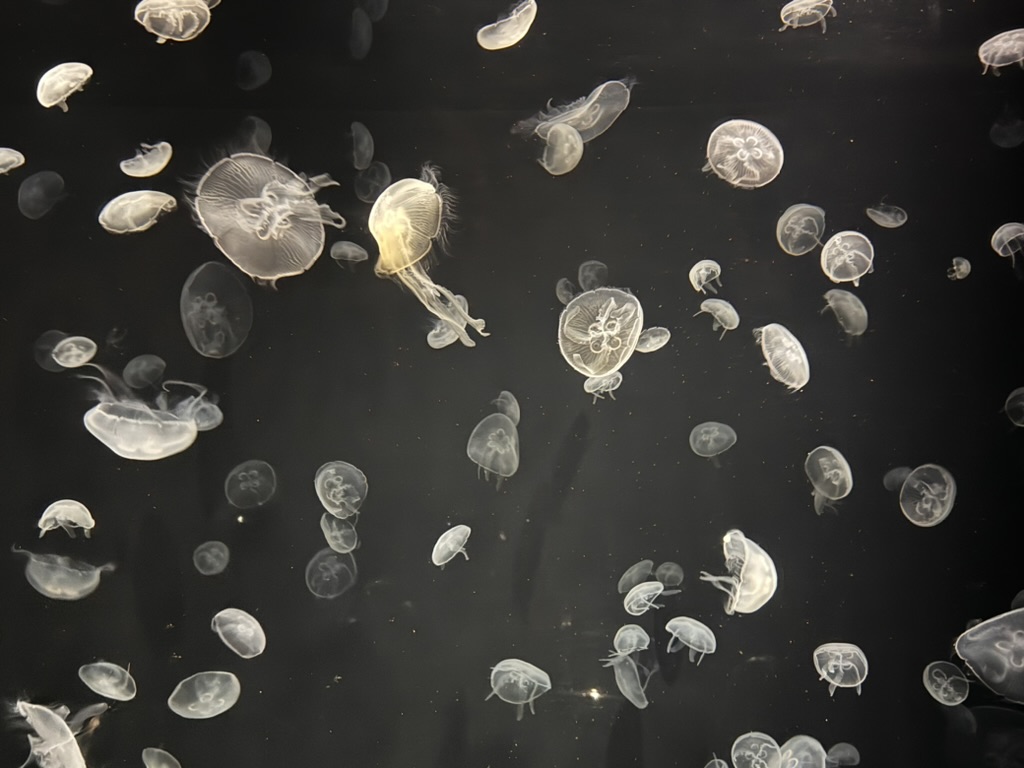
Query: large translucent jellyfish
[109,680]
[143,371]
[960,269]
[177,20]
[52,742]
[370,183]
[10,159]
[211,557]
[994,652]
[407,220]
[149,160]
[565,290]
[263,216]
[216,311]
[135,211]
[945,683]
[362,146]
[652,339]
[850,312]
[784,355]
[39,193]
[1014,407]
[752,578]
[640,598]
[563,149]
[669,573]
[846,257]
[830,475]
[723,315]
[449,544]
[711,438]
[240,631]
[1008,241]
[843,665]
[805,13]
[599,329]
[154,757]
[509,29]
[744,153]
[599,386]
[67,514]
[341,488]
[887,216]
[518,682]
[1002,50]
[755,750]
[927,495]
[704,273]
[442,334]
[627,679]
[250,484]
[62,578]
[330,574]
[360,36]
[74,351]
[494,447]
[591,115]
[340,534]
[635,574]
[205,695]
[42,350]
[800,227]
[692,634]
[59,82]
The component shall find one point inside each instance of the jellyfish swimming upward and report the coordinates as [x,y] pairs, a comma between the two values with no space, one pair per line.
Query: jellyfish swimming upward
[408,218]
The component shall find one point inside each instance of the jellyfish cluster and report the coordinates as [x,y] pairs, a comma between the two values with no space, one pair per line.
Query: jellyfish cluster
[494,442]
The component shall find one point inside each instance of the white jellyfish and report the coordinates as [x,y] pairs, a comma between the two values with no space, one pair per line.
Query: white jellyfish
[10,159]
[805,13]
[67,514]
[149,160]
[830,475]
[135,211]
[177,20]
[509,29]
[590,116]
[752,578]
[744,153]
[59,82]
[1002,50]
[847,256]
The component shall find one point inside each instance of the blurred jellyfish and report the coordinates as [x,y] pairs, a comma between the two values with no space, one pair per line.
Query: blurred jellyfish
[509,29]
[784,355]
[1002,50]
[830,475]
[362,146]
[216,311]
[341,488]
[652,339]
[993,650]
[635,574]
[494,447]
[518,682]
[755,750]
[893,479]
[149,160]
[847,256]
[563,149]
[692,634]
[62,578]
[42,350]
[442,334]
[850,311]
[59,82]
[961,268]
[744,153]
[800,227]
[945,683]
[507,404]
[565,290]
[592,274]
[590,116]
[109,680]
[252,70]
[66,514]
[177,20]
[843,665]
[143,371]
[641,597]
[752,578]
[39,193]
[204,695]
[1007,241]
[360,35]
[723,315]
[240,631]
[371,182]
[927,495]
[1014,407]
[254,134]
[599,329]
[330,574]
[348,253]
[211,557]
[375,9]
[599,386]
[842,753]
[10,159]
[449,544]
[711,438]
[135,211]
[703,273]
[887,216]
[74,351]
[805,13]
[250,484]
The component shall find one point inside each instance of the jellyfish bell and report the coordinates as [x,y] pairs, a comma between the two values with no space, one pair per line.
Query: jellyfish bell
[752,578]
[58,83]
[599,330]
[177,20]
[135,211]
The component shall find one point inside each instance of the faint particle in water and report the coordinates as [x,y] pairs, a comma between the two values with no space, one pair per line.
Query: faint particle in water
[211,557]
[370,182]
[144,371]
[640,598]
[599,386]
[362,147]
[1007,241]
[73,351]
[361,35]
[10,159]
[630,638]
[669,573]
[805,13]
[39,193]
[850,312]
[784,355]
[240,631]
[251,484]
[960,269]
[149,160]
[694,635]
[254,135]
[177,20]
[449,544]
[62,578]
[563,149]
[347,253]
[652,339]
[1014,407]
[42,350]
[341,535]
[519,683]
[565,290]
[887,216]
[723,315]
[66,514]
[847,256]
[135,211]
[752,579]
[58,83]
[945,683]
[830,476]
[892,481]
[375,9]
[216,311]
[927,495]
[744,154]
[590,115]
[1002,50]
[992,650]
[704,274]
[710,439]
[599,329]
[508,29]
[341,488]
[154,757]
[330,574]
[842,665]
[109,680]
[252,70]
[592,274]
[494,447]
[205,695]
[635,574]
[507,404]
[799,228]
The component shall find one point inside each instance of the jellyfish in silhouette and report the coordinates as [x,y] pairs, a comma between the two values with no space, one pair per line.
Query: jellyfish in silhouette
[62,578]
[58,83]
[204,695]
[799,228]
[494,447]
[960,269]
[67,514]
[1002,50]
[635,574]
[519,683]
[135,211]
[847,256]
[509,29]
[927,495]
[109,680]
[830,475]
[723,315]
[805,13]
[1008,241]
[449,544]
[692,634]
[1014,407]
[752,578]
[744,153]
[704,274]
[711,438]
[850,312]
[945,683]
[784,355]
[994,651]
[843,665]
[887,216]
[408,220]
[149,160]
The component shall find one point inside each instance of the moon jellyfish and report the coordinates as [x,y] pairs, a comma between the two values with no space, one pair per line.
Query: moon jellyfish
[1014,407]
[599,386]
[177,20]
[74,351]
[250,484]
[450,543]
[211,557]
[704,273]
[216,311]
[961,268]
[565,290]
[744,154]
[563,149]
[341,488]
[590,116]
[340,535]
[205,695]
[1002,50]
[640,598]
[842,753]
[830,475]
[1007,241]
[755,750]
[407,220]
[993,650]
[347,252]
[635,574]
[847,256]
[630,638]
[723,315]
[752,578]
[254,134]
[494,447]
[109,680]
[692,634]
[240,631]
[135,211]
[59,82]
[627,679]
[371,182]
[39,193]
[802,750]
[652,339]
[62,578]
[927,495]
[945,683]
[843,665]
[53,744]
[599,329]
[805,13]
[711,438]
[784,355]
[509,29]
[10,159]
[670,574]
[263,216]
[850,311]
[67,514]
[362,146]
[154,757]
[442,334]
[361,35]
[252,70]
[592,274]
[507,404]
[887,216]
[799,228]
[330,574]
[143,371]
[893,479]
[149,160]
[518,682]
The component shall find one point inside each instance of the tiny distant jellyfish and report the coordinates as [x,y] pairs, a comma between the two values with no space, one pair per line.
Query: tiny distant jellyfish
[993,650]
[494,447]
[799,228]
[507,404]
[592,274]
[670,574]
[1007,241]
[635,574]
[361,35]
[263,216]
[74,351]
[927,495]
[723,315]
[205,695]
[330,574]
[449,544]
[10,159]
[407,220]
[144,371]
[370,183]
[1014,407]
[755,750]
[341,488]
[652,339]
[53,742]
[58,83]
[892,481]
[154,757]
[39,193]
[442,334]
[752,579]
[1002,50]
[177,20]
[843,665]
[252,70]
[563,149]
[362,146]
[62,578]
[599,386]
[744,154]
[887,216]
[509,29]
[704,273]
[67,514]
[692,634]
[149,160]
[250,484]
[240,631]
[211,557]
[598,330]
[518,682]
[109,680]
[565,290]
[849,310]
[961,268]
[347,253]
[945,683]
[847,256]
[784,355]
[710,439]
[640,598]
[590,116]
[830,475]
[216,311]
[842,753]
[135,211]
[341,535]
[805,13]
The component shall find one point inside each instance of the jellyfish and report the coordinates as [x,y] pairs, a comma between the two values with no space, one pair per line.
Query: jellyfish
[370,183]
[240,631]
[494,447]
[341,488]
[994,651]
[135,211]
[109,680]
[850,312]
[375,9]
[204,695]
[1007,241]
[846,257]
[887,216]
[1007,131]
[703,273]
[692,634]
[67,514]
[752,578]
[59,82]
[263,216]
[73,351]
[518,682]
[349,253]
[640,598]
[340,533]
[893,479]
[629,638]
[711,438]
[177,20]
[961,268]
[800,227]
[635,574]
[945,683]
[652,339]
[805,13]
[362,146]
[149,160]
[507,404]
[42,350]
[590,116]
[52,743]
[1014,407]
[407,220]
[831,476]
[563,149]
[670,574]
[1002,50]
[216,311]
[744,154]
[599,386]
[252,70]
[62,578]
[755,750]
[360,35]
[330,574]
[39,193]
[927,495]
[211,557]
[565,290]
[784,355]
[509,29]
[250,484]
[843,665]
[442,334]
[10,159]
[154,757]
[449,544]
[723,315]
[599,329]
[143,371]
[627,680]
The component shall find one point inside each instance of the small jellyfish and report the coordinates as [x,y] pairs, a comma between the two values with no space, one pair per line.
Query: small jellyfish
[635,574]
[711,438]
[565,290]
[887,216]
[205,695]
[670,574]
[360,35]
[39,193]
[144,371]
[52,743]
[240,631]
[640,598]
[1014,407]
[842,753]
[154,757]
[341,488]
[10,159]
[1002,50]
[74,351]
[893,479]
[518,682]
[830,475]
[330,574]
[927,495]
[752,578]
[254,134]
[216,311]
[67,514]
[599,386]
[744,154]
[843,665]
[42,350]
[627,679]
[177,20]
[592,274]
[449,544]
[945,683]
[652,339]
[149,160]
[563,149]
[371,182]
[62,578]
[800,227]
[135,211]
[723,315]
[591,115]
[494,447]
[108,680]
[805,13]
[1007,241]
[250,484]
[690,633]
[442,334]
[802,750]
[630,638]
[599,329]
[59,82]
[784,355]
[961,268]
[345,252]
[993,650]
[252,70]
[850,311]
[362,146]
[755,750]
[509,29]
[211,557]
[704,273]
[507,404]
[340,534]
[847,256]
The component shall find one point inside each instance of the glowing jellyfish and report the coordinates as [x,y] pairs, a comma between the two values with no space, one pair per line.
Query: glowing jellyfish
[135,211]
[149,160]
[370,183]
[755,750]
[590,116]
[744,153]
[39,193]
[846,257]
[711,438]
[154,757]
[494,447]
[216,311]
[1008,241]
[177,20]
[563,149]
[843,665]
[58,83]
[362,146]
[263,216]
[250,484]
[330,574]
[341,535]
[205,695]
[565,290]
[407,220]
[67,514]
[635,574]
[784,355]
[723,315]
[62,578]
[449,544]
[74,351]
[640,598]
[349,253]
[927,495]
[211,557]
[109,680]
[599,386]
[240,631]
[1014,407]
[800,227]
[752,578]
[1002,50]
[630,638]
[53,744]
[509,29]
[518,682]
[599,329]
[341,488]
[887,216]
[805,13]
[692,634]
[842,753]
[652,339]
[704,273]
[850,312]
[994,651]
[670,574]
[945,683]
[830,475]
[10,159]
[961,268]
[627,679]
